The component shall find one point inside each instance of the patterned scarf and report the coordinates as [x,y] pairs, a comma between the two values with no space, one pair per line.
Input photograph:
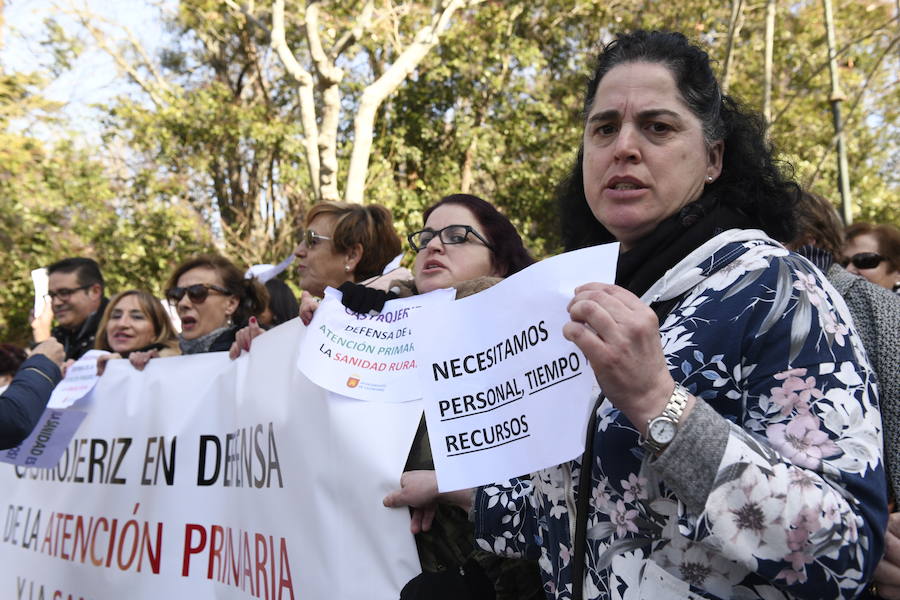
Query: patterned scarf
[202,343]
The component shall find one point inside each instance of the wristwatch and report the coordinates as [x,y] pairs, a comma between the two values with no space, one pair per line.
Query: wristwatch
[661,430]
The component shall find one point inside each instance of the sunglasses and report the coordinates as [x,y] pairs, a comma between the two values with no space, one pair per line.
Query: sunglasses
[864,260]
[197,293]
[451,234]
[311,238]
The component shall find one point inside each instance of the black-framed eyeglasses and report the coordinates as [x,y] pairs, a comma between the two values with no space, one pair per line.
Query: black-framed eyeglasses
[311,238]
[451,234]
[65,293]
[864,260]
[197,293]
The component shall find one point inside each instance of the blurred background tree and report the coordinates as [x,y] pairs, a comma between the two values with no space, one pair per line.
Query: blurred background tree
[247,113]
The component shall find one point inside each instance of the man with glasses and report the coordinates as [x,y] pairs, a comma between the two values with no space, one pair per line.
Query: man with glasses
[76,297]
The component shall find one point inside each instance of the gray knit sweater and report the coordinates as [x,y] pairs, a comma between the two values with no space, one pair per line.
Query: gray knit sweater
[876,312]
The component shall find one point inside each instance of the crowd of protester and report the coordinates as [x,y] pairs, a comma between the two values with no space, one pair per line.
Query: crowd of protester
[739,474]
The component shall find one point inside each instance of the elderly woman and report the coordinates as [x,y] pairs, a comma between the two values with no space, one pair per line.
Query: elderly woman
[134,321]
[342,243]
[735,449]
[468,244]
[873,251]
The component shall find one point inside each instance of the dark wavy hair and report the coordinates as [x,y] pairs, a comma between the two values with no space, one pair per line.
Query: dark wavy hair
[251,294]
[752,181]
[510,254]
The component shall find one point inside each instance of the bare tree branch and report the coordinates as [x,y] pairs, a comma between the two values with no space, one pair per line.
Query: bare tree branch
[350,37]
[305,91]
[372,97]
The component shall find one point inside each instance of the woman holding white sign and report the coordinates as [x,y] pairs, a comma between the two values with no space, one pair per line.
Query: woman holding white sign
[735,452]
[465,243]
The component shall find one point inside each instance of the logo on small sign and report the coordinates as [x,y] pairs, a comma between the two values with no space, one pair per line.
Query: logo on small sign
[352,382]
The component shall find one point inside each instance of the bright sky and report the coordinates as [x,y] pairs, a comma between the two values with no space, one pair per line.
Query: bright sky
[95,77]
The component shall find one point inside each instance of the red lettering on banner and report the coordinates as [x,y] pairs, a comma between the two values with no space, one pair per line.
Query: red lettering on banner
[241,559]
[189,548]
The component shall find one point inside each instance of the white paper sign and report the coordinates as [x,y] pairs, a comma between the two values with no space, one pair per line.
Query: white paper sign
[80,379]
[48,440]
[505,394]
[64,413]
[364,356]
[41,286]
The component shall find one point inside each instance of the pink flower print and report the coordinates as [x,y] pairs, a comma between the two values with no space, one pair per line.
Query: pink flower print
[801,441]
[832,326]
[795,392]
[565,553]
[600,497]
[806,282]
[792,576]
[623,519]
[634,488]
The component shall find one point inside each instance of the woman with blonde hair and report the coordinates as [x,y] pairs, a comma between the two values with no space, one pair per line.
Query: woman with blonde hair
[135,321]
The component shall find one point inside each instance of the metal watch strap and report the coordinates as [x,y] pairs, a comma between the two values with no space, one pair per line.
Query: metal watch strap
[673,411]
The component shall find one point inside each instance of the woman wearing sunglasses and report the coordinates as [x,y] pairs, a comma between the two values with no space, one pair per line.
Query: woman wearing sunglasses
[213,300]
[341,243]
[344,242]
[135,321]
[873,251]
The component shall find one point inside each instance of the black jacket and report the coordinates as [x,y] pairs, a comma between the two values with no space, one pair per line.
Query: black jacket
[76,343]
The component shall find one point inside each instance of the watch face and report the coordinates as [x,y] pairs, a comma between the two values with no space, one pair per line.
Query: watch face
[662,431]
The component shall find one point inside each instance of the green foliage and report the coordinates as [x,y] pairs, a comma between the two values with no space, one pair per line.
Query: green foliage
[212,146]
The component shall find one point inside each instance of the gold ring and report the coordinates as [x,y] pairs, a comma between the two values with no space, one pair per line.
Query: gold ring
[873,589]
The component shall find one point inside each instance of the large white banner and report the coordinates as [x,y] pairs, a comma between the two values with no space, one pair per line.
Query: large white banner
[205,478]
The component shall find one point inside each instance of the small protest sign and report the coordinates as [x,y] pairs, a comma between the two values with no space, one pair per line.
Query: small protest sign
[366,356]
[505,393]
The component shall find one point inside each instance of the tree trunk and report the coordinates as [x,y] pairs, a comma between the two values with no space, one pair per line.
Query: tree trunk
[734,31]
[837,96]
[770,46]
[374,94]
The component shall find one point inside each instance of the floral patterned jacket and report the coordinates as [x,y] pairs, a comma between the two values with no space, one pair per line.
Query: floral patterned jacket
[774,486]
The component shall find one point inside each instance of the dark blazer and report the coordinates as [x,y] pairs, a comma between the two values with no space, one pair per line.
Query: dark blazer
[23,402]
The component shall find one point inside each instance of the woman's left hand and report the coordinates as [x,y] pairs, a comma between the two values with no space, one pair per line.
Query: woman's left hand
[619,335]
[139,360]
[887,574]
[102,360]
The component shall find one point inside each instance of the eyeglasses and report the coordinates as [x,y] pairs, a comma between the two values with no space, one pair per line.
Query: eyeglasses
[451,234]
[197,293]
[864,260]
[311,238]
[64,293]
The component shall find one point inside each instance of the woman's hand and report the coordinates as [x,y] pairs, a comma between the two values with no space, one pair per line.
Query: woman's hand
[887,573]
[52,349]
[102,360]
[139,360]
[244,338]
[383,282]
[65,366]
[619,335]
[308,305]
[418,489]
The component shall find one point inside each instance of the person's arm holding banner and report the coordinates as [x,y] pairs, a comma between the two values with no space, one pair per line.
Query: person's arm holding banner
[24,400]
[419,491]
